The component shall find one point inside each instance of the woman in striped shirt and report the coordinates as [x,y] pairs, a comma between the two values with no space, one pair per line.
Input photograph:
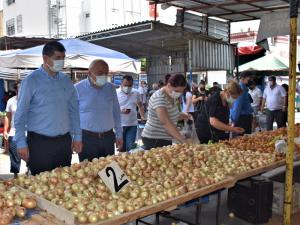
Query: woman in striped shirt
[163,115]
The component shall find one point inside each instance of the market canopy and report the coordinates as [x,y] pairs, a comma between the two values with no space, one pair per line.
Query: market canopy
[275,24]
[268,62]
[79,54]
[232,10]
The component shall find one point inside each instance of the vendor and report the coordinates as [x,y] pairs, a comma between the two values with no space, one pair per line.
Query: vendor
[214,120]
[163,114]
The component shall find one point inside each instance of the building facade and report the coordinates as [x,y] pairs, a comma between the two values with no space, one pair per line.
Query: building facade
[70,18]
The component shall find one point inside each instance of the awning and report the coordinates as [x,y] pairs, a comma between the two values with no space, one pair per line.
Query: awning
[232,10]
[267,63]
[250,50]
[275,24]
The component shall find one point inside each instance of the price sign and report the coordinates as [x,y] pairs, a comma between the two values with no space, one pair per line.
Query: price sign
[114,178]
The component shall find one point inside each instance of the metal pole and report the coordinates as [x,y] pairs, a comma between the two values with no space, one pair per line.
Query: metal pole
[155,10]
[291,114]
[190,62]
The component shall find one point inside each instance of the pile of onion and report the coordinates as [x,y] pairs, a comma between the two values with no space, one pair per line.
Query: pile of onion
[156,175]
[13,203]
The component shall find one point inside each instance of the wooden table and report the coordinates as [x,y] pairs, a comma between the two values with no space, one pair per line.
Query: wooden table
[68,217]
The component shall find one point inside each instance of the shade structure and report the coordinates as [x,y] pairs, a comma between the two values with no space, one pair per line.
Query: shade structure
[79,54]
[266,63]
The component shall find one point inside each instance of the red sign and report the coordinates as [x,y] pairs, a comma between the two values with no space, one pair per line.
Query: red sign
[153,11]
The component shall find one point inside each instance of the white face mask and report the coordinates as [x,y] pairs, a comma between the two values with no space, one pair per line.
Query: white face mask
[58,65]
[175,94]
[126,89]
[101,80]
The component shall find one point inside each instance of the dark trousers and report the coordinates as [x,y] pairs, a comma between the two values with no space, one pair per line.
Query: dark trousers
[97,146]
[245,121]
[15,160]
[48,153]
[129,135]
[155,143]
[276,115]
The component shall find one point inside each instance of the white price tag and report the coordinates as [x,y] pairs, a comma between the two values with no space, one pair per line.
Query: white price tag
[114,178]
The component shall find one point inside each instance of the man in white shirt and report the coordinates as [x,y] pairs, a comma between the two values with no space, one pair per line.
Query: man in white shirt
[275,98]
[129,99]
[143,92]
[256,95]
[9,133]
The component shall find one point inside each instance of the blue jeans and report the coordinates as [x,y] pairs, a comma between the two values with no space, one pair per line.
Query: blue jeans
[15,160]
[129,135]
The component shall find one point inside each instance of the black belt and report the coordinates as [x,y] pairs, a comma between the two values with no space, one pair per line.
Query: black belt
[49,137]
[97,134]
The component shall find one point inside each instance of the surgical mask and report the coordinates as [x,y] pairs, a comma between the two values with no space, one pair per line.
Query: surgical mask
[230,100]
[175,94]
[100,80]
[58,65]
[126,89]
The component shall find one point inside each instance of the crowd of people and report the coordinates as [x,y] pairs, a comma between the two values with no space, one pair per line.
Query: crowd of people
[50,117]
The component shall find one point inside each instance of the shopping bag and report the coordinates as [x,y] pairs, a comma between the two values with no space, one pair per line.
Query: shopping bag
[189,131]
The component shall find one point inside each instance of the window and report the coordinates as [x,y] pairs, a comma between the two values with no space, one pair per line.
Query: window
[9,2]
[19,24]
[10,27]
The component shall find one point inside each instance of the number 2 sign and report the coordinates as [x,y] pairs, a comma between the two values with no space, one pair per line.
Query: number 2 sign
[114,178]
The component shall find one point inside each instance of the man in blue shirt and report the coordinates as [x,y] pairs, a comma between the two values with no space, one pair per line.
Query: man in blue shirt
[241,110]
[48,111]
[99,113]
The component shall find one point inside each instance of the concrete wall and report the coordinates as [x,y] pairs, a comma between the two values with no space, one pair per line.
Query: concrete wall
[34,17]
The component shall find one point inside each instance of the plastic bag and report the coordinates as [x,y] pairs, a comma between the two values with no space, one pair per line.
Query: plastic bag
[189,131]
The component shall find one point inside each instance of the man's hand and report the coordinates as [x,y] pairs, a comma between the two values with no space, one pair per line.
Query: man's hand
[238,130]
[23,153]
[119,143]
[76,146]
[184,116]
[125,111]
[284,109]
[5,135]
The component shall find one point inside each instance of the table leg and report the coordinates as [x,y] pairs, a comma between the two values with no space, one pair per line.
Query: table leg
[218,208]
[198,212]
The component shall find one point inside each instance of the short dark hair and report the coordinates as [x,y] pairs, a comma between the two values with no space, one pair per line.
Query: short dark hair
[246,73]
[128,78]
[215,83]
[202,82]
[52,46]
[272,78]
[167,77]
[177,80]
[251,82]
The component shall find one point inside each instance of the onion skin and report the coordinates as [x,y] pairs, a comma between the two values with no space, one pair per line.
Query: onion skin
[29,203]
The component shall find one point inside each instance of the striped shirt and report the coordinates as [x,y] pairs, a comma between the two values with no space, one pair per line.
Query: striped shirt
[153,128]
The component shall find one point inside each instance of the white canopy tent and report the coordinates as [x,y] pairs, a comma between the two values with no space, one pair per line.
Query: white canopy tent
[79,54]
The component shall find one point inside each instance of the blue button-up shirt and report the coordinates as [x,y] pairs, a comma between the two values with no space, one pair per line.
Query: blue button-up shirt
[99,108]
[242,106]
[47,105]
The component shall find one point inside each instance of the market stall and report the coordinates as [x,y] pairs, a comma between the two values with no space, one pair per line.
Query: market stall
[158,179]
